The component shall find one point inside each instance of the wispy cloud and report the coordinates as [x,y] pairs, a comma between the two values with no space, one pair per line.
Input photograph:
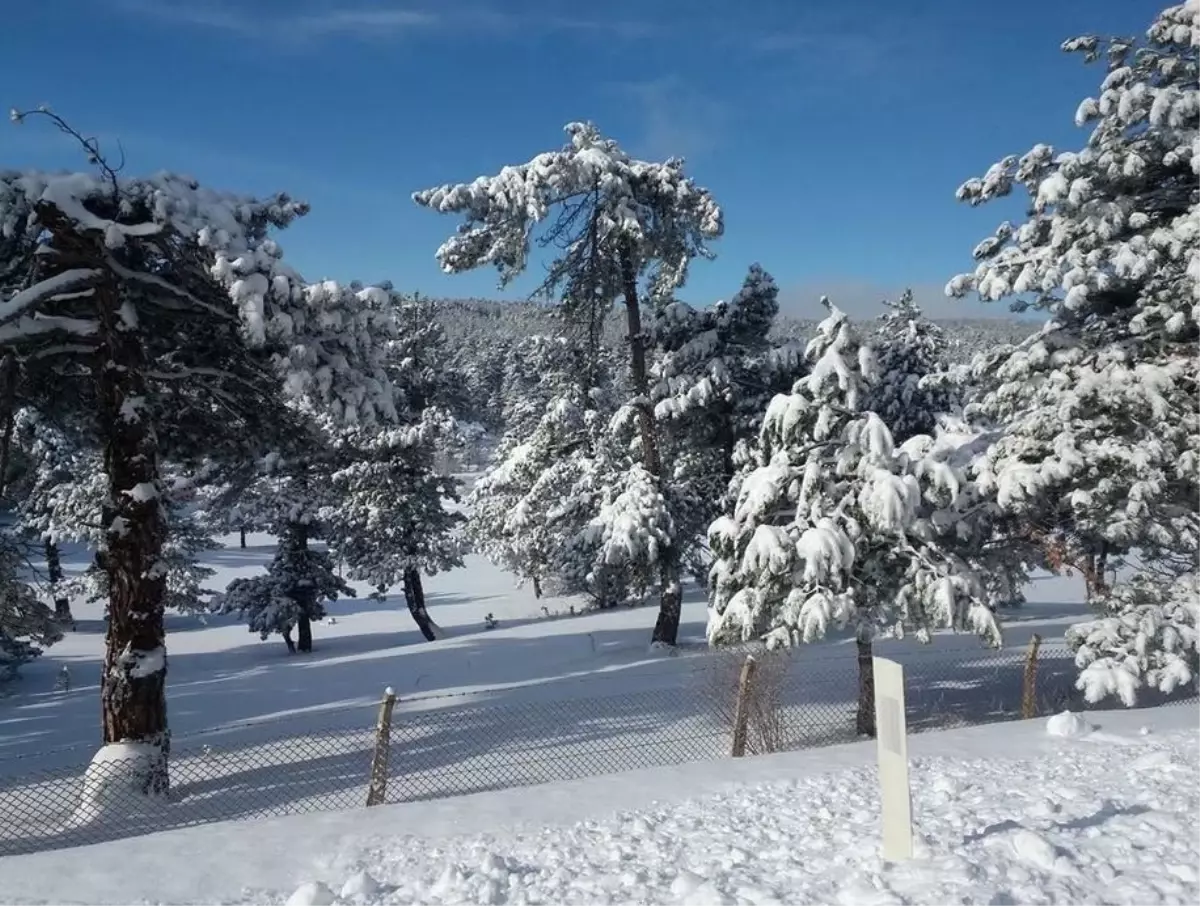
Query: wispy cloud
[306,24]
[677,119]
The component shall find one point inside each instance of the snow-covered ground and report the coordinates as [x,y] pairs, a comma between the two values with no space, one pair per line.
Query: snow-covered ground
[222,675]
[544,696]
[1004,814]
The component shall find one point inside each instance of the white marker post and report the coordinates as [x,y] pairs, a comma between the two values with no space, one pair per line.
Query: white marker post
[891,732]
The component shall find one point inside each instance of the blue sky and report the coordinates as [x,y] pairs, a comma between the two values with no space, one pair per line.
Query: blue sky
[833,134]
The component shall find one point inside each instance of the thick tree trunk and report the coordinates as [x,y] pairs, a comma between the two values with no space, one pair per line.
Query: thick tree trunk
[414,596]
[304,633]
[537,587]
[242,534]
[133,684]
[666,627]
[865,721]
[54,574]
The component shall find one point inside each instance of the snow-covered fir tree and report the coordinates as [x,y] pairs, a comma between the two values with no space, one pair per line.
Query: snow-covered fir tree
[627,228]
[58,499]
[545,486]
[27,624]
[910,393]
[292,595]
[714,373]
[391,522]
[839,527]
[1100,453]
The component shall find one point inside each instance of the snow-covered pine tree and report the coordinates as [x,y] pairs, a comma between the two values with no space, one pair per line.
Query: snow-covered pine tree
[715,371]
[342,389]
[909,395]
[59,498]
[627,228]
[837,526]
[390,523]
[162,312]
[299,580]
[27,625]
[1100,456]
[542,491]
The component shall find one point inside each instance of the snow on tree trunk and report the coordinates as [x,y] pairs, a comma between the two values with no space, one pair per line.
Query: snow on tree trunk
[666,627]
[117,777]
[864,723]
[133,682]
[414,596]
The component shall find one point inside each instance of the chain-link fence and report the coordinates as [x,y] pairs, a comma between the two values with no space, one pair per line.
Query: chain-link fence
[677,710]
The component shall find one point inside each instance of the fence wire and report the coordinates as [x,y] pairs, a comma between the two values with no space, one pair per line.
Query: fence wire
[438,748]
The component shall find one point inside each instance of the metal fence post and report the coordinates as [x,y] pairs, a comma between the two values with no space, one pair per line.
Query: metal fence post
[377,791]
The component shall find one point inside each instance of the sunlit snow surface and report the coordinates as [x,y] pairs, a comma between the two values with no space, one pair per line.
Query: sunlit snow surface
[1011,813]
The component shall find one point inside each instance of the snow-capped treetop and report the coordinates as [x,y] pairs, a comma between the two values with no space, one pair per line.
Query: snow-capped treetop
[649,211]
[184,257]
[232,229]
[909,394]
[1114,228]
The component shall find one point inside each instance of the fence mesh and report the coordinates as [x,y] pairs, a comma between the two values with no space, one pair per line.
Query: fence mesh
[680,712]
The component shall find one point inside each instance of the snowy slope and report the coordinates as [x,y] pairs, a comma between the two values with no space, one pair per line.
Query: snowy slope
[1005,814]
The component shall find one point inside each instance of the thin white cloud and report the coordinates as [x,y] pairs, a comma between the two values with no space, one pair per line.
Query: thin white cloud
[677,120]
[368,22]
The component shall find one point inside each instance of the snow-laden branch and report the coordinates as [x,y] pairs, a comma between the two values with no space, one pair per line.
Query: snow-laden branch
[44,290]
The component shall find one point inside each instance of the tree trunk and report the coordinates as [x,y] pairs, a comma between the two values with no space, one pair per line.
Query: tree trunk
[304,593]
[666,627]
[537,587]
[414,596]
[1095,567]
[242,533]
[54,573]
[287,640]
[865,721]
[304,632]
[133,684]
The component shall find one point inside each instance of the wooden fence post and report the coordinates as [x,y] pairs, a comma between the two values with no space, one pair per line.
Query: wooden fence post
[377,791]
[741,712]
[1029,687]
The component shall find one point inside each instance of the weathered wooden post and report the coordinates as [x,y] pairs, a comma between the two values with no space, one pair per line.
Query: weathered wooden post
[741,711]
[377,791]
[1029,686]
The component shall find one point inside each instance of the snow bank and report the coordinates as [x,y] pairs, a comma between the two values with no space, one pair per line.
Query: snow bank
[116,780]
[1004,813]
[1068,724]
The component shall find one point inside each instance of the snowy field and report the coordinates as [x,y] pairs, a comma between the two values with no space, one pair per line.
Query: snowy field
[1003,814]
[544,696]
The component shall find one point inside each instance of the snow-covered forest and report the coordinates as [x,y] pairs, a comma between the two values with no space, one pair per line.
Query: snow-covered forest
[167,377]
